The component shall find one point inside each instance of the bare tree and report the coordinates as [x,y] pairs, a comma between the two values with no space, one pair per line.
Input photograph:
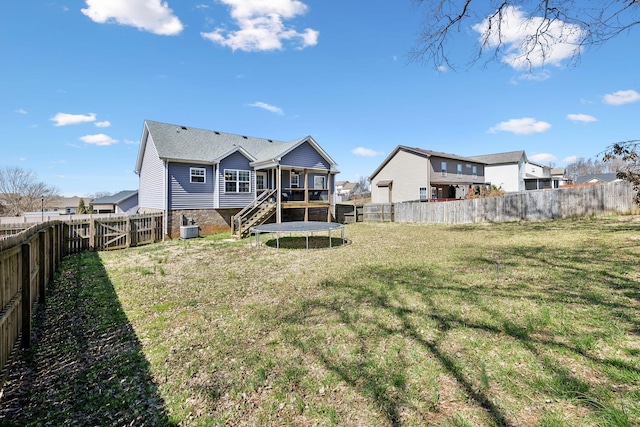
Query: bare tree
[20,192]
[628,152]
[522,33]
[584,167]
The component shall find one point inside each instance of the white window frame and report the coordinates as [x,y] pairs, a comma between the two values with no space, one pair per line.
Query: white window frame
[229,173]
[295,184]
[459,170]
[423,193]
[263,176]
[197,173]
[474,171]
[443,168]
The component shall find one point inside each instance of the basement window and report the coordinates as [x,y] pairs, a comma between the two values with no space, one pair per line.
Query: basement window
[198,175]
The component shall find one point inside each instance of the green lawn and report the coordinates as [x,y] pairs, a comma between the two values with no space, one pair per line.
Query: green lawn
[527,324]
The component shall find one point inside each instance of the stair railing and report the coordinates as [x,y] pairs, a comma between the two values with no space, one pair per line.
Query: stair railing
[238,219]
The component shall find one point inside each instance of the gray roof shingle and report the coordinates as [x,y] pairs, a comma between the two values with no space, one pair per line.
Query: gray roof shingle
[177,142]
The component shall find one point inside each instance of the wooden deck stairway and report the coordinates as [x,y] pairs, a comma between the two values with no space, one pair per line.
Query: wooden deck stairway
[255,213]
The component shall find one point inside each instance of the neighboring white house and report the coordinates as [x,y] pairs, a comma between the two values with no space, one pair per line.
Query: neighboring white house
[344,189]
[512,171]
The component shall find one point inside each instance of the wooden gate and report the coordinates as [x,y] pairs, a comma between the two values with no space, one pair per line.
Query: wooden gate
[101,234]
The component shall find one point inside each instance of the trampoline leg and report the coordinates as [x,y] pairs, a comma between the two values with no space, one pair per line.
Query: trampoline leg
[329,238]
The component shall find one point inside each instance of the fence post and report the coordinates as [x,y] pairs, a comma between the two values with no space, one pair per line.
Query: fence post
[92,235]
[128,229]
[42,265]
[26,295]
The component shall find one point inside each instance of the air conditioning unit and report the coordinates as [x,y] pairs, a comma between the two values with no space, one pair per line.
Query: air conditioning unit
[188,231]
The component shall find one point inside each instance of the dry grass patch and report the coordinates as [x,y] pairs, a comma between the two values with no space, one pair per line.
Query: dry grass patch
[528,324]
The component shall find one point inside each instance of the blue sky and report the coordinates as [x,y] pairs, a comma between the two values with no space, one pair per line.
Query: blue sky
[78,78]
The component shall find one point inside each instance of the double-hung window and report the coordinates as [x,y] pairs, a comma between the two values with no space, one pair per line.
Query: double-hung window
[198,175]
[237,181]
[459,170]
[443,168]
[474,172]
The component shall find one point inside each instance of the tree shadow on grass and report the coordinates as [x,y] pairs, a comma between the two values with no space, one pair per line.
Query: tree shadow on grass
[399,305]
[86,365]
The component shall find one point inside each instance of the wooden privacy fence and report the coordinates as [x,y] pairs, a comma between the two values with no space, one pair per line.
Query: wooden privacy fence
[27,263]
[29,259]
[601,199]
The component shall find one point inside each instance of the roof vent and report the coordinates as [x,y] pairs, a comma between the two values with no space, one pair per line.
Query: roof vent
[244,137]
[216,132]
[270,140]
[184,128]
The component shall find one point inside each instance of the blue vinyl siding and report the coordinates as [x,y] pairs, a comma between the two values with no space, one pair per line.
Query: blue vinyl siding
[151,184]
[235,200]
[183,194]
[305,156]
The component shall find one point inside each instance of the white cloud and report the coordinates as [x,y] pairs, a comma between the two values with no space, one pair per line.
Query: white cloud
[267,107]
[543,158]
[261,26]
[570,159]
[523,126]
[517,34]
[153,16]
[622,97]
[64,119]
[104,124]
[99,139]
[366,152]
[21,111]
[584,118]
[130,142]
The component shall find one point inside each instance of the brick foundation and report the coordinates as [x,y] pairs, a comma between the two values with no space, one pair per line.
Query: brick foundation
[209,221]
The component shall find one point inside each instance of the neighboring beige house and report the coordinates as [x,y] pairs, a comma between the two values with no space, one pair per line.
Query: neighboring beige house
[512,171]
[409,174]
[66,205]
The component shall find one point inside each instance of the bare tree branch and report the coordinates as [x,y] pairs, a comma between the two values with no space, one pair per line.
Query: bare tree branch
[524,34]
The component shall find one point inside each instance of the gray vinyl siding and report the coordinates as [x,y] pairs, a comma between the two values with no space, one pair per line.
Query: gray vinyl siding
[183,194]
[130,203]
[235,200]
[305,156]
[151,185]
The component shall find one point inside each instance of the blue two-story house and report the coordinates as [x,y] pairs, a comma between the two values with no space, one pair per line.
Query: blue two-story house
[220,180]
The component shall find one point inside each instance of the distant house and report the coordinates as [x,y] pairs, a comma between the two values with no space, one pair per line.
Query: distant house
[122,202]
[409,174]
[66,205]
[559,177]
[344,189]
[222,180]
[597,178]
[512,171]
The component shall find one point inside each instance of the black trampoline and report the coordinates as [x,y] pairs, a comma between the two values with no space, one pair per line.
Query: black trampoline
[300,227]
